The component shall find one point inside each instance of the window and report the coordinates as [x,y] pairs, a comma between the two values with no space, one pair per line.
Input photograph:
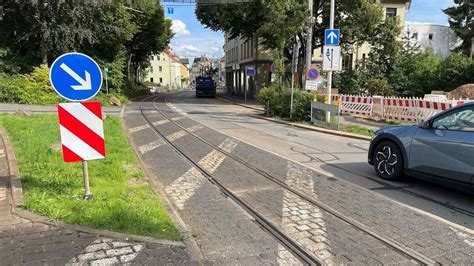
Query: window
[347,62]
[251,47]
[151,80]
[461,120]
[158,58]
[363,58]
[150,69]
[160,68]
[390,12]
[241,51]
[415,35]
[430,36]
[161,80]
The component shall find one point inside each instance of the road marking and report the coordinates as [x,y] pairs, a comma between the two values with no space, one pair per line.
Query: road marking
[183,188]
[136,129]
[467,238]
[2,153]
[195,128]
[302,220]
[151,146]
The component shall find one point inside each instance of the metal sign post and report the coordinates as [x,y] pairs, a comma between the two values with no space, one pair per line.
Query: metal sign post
[106,70]
[331,26]
[85,172]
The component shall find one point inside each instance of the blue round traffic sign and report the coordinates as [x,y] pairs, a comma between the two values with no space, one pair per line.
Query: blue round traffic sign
[312,74]
[75,77]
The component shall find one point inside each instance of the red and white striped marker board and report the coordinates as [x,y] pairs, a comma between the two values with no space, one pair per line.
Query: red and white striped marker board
[82,131]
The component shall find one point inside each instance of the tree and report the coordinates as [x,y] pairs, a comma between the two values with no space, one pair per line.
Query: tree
[461,22]
[115,33]
[267,20]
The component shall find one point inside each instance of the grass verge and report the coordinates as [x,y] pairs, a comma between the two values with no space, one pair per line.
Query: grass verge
[123,200]
[354,129]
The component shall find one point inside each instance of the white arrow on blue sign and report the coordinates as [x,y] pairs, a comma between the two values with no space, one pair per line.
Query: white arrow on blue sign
[331,37]
[75,77]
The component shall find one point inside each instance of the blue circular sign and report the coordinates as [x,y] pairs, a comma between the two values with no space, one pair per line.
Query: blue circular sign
[75,77]
[312,74]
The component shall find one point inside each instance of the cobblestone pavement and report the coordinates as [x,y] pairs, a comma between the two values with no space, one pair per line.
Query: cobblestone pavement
[33,241]
[332,239]
[223,232]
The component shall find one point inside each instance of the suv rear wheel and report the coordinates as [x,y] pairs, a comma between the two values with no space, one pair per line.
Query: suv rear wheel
[388,161]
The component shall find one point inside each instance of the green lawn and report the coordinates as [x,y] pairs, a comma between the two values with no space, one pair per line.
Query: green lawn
[123,200]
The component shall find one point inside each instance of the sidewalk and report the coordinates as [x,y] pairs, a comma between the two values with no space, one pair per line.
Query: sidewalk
[26,238]
[12,108]
[345,119]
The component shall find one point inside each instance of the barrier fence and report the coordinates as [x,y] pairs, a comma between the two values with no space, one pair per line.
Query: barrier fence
[392,108]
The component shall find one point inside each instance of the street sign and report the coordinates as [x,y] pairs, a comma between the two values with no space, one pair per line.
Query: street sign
[331,58]
[272,68]
[312,73]
[75,77]
[312,85]
[250,71]
[82,131]
[170,10]
[106,69]
[331,37]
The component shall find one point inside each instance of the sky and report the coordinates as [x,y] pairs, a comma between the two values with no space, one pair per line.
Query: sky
[193,40]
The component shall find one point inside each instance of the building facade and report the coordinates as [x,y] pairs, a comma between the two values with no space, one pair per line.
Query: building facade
[391,8]
[167,70]
[240,53]
[441,39]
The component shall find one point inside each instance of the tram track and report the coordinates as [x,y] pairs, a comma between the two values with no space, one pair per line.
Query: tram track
[287,241]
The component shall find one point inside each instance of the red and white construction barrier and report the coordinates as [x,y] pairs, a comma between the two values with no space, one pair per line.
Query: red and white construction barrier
[82,131]
[404,109]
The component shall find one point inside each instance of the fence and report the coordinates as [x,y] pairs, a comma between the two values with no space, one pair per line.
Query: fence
[391,108]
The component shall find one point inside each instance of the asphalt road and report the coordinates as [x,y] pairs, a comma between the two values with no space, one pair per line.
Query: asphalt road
[330,155]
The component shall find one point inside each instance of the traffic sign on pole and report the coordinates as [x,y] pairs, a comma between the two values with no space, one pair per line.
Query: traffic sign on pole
[272,68]
[250,71]
[312,73]
[82,131]
[331,37]
[331,58]
[170,10]
[76,77]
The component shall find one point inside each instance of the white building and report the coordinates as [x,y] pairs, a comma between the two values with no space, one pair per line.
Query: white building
[441,39]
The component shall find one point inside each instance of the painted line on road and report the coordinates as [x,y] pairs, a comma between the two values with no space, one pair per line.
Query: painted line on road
[184,187]
[325,173]
[139,128]
[2,153]
[151,146]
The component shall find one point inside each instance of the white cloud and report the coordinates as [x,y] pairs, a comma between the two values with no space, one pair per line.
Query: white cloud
[186,50]
[180,28]
[214,49]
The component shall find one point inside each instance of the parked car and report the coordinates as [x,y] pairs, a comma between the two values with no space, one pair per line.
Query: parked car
[440,149]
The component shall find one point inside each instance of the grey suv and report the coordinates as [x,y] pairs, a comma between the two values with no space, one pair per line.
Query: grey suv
[438,149]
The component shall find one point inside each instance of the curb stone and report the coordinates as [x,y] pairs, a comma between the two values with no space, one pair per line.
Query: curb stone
[192,247]
[17,198]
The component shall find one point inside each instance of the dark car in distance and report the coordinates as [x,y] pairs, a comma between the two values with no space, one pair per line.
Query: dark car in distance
[440,149]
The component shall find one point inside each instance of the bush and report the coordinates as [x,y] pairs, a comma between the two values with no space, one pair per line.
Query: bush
[278,99]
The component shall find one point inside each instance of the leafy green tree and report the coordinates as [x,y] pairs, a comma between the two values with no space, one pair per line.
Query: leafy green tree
[454,72]
[461,21]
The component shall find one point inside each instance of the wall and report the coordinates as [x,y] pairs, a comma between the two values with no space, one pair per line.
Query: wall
[442,42]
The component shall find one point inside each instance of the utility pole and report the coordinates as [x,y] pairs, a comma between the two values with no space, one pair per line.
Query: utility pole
[309,39]
[331,26]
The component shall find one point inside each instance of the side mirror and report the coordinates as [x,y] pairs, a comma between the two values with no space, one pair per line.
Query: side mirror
[426,124]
